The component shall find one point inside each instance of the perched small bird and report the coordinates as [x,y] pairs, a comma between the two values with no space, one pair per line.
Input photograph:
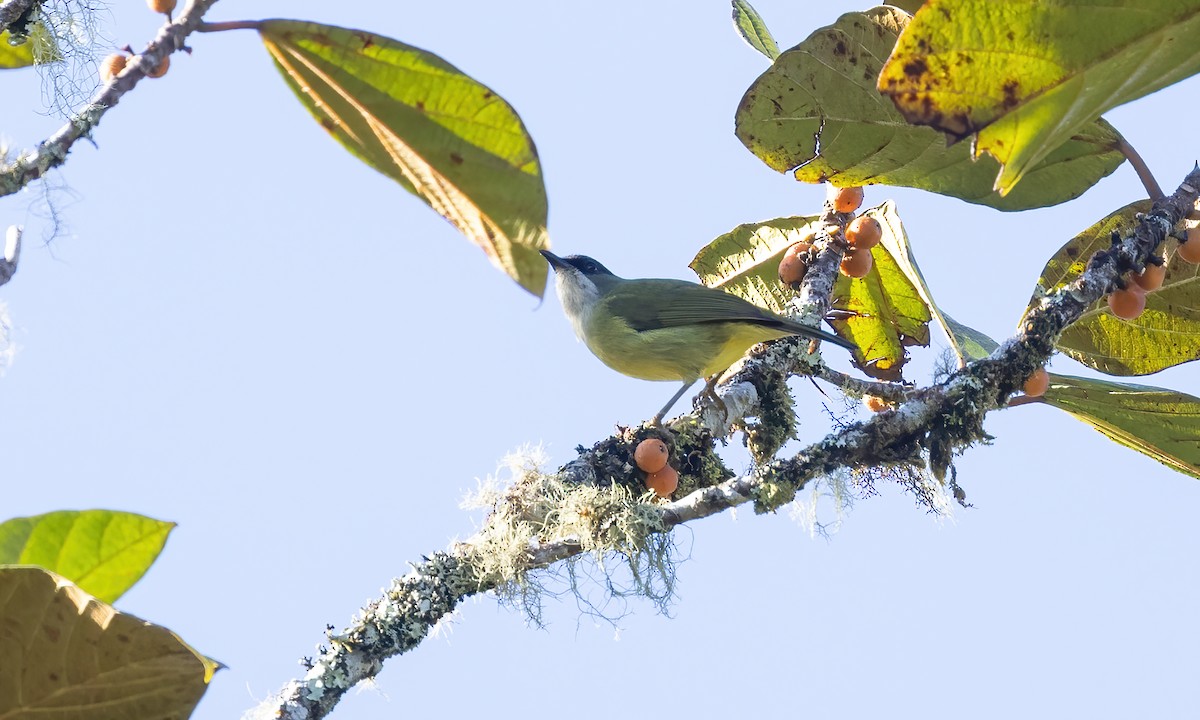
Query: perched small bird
[659,329]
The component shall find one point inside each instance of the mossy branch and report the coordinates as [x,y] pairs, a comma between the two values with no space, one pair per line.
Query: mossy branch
[935,424]
[52,152]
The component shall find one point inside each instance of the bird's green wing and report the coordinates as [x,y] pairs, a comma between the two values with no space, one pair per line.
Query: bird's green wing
[677,302]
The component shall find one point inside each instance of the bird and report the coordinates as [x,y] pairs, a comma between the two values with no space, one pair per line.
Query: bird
[664,329]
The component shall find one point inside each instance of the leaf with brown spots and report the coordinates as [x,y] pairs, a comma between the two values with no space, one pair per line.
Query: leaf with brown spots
[1026,76]
[1162,424]
[816,112]
[439,133]
[67,656]
[1165,335]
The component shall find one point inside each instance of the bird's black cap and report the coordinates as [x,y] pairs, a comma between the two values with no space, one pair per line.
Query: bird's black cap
[582,263]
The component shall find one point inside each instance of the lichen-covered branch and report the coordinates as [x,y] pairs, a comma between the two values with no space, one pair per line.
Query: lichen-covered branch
[12,10]
[542,529]
[52,152]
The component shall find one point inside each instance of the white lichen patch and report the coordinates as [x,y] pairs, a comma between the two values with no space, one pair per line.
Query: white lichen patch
[532,514]
[829,494]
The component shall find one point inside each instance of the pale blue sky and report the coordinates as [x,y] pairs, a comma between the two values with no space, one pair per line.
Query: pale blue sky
[248,332]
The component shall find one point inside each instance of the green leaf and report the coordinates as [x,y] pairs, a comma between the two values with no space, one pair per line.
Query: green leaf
[14,56]
[439,133]
[103,551]
[1163,424]
[68,656]
[817,112]
[1166,334]
[753,30]
[969,344]
[962,339]
[1025,76]
[908,6]
[745,260]
[39,48]
[887,309]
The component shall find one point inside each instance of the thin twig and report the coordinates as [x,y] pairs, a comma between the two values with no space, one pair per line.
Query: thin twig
[1140,167]
[208,27]
[33,164]
[892,392]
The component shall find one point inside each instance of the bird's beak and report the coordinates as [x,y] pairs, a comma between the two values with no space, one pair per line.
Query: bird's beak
[555,261]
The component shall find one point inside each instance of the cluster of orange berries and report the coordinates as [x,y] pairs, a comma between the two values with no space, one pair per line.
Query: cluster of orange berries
[1129,302]
[651,457]
[114,64]
[862,234]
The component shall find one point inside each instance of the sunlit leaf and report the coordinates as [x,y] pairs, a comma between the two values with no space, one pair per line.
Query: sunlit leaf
[962,339]
[64,655]
[102,551]
[969,343]
[887,309]
[745,260]
[1025,76]
[882,312]
[753,30]
[1166,334]
[422,122]
[816,112]
[38,48]
[14,56]
[1163,424]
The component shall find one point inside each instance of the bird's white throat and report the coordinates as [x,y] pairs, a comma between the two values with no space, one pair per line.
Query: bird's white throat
[578,295]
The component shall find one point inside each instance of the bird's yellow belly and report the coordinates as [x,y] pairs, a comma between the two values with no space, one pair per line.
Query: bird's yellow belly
[682,354]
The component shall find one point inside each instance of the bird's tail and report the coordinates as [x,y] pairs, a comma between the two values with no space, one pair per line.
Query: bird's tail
[809,331]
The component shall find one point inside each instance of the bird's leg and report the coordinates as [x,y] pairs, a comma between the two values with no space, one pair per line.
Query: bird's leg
[710,391]
[657,419]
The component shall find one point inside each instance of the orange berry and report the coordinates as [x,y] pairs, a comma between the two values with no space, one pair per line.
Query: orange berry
[165,7]
[663,482]
[112,66]
[864,233]
[1038,383]
[1127,304]
[160,69]
[875,404]
[847,199]
[1190,250]
[1151,278]
[651,455]
[793,266]
[856,263]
